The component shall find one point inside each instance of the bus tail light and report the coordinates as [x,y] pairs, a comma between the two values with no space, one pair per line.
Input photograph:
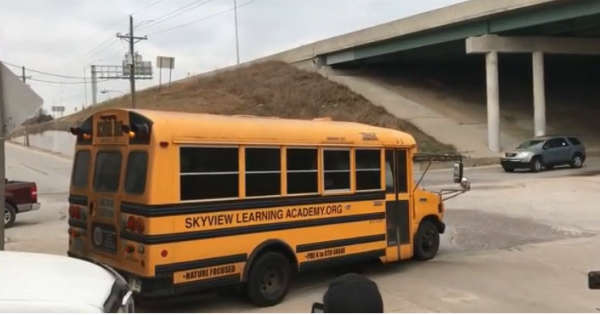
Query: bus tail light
[164,253]
[75,212]
[131,223]
[74,233]
[139,225]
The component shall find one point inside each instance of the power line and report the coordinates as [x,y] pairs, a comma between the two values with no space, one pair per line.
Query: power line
[110,41]
[64,76]
[146,7]
[181,10]
[201,19]
[62,82]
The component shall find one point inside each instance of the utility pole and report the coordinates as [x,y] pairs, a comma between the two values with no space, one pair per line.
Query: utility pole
[94,86]
[23,76]
[131,38]
[84,90]
[237,40]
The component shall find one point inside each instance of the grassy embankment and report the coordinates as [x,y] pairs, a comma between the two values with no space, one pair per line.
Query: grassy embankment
[265,89]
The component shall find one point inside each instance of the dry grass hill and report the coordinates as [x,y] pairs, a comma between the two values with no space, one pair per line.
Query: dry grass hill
[264,89]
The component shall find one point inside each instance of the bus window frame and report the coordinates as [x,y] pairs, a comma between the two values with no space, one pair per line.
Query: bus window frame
[381,151]
[208,146]
[280,148]
[316,192]
[322,177]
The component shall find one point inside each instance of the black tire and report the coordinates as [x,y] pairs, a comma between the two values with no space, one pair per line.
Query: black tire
[577,161]
[509,170]
[536,165]
[427,241]
[269,279]
[10,215]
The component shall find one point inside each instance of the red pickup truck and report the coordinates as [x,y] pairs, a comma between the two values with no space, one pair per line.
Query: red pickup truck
[20,197]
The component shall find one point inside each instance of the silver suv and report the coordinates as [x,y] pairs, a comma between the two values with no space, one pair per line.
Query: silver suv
[545,153]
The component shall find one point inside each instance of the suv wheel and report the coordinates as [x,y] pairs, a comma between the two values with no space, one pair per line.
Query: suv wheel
[269,279]
[536,165]
[577,161]
[10,214]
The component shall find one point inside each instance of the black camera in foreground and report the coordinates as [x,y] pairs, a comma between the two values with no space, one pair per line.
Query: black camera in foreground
[594,280]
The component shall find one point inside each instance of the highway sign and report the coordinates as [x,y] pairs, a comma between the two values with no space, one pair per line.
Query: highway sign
[165,62]
[58,109]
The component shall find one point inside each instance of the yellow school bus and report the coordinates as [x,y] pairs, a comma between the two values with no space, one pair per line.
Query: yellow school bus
[179,202]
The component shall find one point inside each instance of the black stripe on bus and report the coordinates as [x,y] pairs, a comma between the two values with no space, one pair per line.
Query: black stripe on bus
[207,284]
[340,243]
[188,236]
[78,200]
[77,224]
[161,269]
[202,207]
[347,259]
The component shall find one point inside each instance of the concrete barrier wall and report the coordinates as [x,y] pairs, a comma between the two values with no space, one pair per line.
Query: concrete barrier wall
[60,142]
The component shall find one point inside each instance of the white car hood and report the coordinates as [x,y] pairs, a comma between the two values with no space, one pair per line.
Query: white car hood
[48,283]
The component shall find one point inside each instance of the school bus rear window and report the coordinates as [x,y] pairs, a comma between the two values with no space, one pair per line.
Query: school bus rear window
[80,169]
[208,173]
[135,178]
[108,171]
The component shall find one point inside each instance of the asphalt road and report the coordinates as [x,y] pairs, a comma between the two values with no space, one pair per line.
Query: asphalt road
[520,242]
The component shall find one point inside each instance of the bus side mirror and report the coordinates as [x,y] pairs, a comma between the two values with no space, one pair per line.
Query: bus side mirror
[458,172]
[594,280]
[465,184]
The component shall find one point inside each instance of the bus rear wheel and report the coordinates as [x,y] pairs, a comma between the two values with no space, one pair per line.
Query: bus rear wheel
[427,241]
[269,279]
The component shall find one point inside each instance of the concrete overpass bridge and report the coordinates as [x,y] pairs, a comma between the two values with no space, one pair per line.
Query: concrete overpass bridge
[472,36]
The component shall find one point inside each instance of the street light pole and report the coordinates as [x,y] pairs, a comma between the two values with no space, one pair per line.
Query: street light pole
[237,40]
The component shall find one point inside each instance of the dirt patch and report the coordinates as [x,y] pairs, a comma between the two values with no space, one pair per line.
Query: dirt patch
[265,89]
[478,230]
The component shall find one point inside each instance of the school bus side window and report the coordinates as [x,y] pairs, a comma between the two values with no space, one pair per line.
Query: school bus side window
[80,169]
[337,169]
[302,171]
[389,171]
[401,171]
[208,173]
[368,169]
[108,171]
[135,178]
[263,172]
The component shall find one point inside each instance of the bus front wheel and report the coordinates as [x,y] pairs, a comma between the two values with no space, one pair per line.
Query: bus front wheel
[427,241]
[269,279]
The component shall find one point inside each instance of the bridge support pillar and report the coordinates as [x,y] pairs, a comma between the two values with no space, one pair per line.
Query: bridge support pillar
[539,94]
[493,100]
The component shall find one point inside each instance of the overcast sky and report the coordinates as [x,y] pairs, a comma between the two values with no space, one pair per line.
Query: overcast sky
[66,36]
